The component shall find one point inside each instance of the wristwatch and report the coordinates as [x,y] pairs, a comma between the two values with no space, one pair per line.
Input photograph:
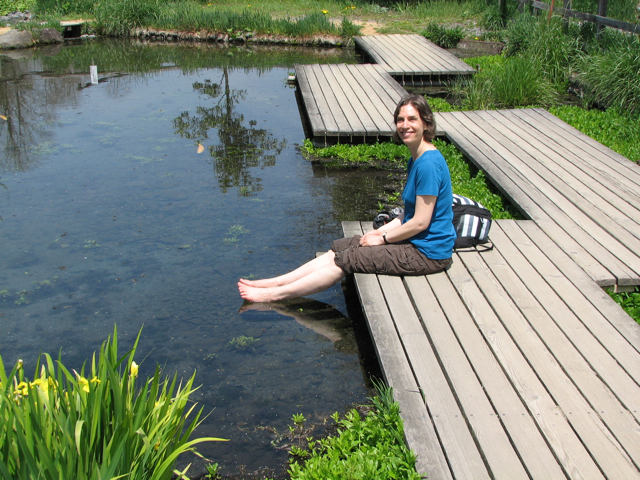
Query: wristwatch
[384,237]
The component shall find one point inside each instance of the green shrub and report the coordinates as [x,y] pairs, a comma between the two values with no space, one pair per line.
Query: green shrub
[443,36]
[365,448]
[438,104]
[9,6]
[94,425]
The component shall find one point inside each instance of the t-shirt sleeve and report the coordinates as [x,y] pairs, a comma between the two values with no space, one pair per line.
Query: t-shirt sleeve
[428,178]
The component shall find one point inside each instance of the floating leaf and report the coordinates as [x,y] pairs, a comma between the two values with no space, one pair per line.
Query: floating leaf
[200,148]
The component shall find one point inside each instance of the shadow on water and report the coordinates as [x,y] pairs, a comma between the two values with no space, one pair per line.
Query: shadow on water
[112,213]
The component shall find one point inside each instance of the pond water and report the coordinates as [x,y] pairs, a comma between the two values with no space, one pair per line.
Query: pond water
[111,213]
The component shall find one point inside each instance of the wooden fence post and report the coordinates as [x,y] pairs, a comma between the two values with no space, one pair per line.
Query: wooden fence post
[602,12]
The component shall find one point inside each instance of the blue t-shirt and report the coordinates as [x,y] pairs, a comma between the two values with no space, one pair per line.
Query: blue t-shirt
[429,175]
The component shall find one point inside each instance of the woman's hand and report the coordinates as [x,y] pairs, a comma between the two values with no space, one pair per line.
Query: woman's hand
[372,239]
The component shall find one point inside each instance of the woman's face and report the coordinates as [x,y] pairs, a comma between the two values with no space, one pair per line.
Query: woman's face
[409,125]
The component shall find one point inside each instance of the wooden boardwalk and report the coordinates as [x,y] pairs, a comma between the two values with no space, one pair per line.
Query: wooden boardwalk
[512,364]
[583,195]
[348,103]
[413,60]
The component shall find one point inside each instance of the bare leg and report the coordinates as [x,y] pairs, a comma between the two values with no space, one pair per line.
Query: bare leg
[314,282]
[302,271]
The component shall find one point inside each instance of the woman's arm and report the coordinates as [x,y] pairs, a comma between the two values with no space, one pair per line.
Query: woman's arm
[396,232]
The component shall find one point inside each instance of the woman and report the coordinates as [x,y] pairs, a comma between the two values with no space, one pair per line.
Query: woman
[419,243]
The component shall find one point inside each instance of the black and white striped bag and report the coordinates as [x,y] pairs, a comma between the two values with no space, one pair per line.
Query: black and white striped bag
[472,223]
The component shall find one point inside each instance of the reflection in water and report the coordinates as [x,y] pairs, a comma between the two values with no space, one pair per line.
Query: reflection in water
[240,147]
[108,215]
[320,317]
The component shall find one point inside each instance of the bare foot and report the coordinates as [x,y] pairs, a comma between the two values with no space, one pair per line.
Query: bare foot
[258,294]
[264,283]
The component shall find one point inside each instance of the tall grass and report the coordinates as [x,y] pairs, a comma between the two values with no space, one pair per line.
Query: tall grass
[611,78]
[97,424]
[441,11]
[505,83]
[620,9]
[545,43]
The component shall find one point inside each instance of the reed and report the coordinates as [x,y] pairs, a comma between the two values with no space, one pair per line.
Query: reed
[610,78]
[98,423]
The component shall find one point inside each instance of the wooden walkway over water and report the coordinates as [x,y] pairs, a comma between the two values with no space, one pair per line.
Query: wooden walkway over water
[355,103]
[582,194]
[513,364]
[413,60]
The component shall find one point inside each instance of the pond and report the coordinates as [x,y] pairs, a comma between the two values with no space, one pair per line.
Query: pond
[140,200]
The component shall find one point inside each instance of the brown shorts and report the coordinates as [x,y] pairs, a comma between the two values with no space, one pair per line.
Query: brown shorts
[394,259]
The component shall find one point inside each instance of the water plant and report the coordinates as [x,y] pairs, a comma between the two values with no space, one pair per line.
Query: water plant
[369,447]
[614,128]
[101,422]
[242,342]
[445,37]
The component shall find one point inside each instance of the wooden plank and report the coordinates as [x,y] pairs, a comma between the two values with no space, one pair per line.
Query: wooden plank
[575,165]
[396,61]
[588,144]
[363,99]
[579,302]
[571,240]
[331,126]
[598,226]
[456,439]
[394,89]
[458,66]
[371,81]
[315,119]
[569,450]
[560,319]
[612,172]
[618,420]
[344,101]
[418,428]
[435,59]
[332,102]
[434,297]
[601,206]
[430,54]
[586,422]
[363,42]
[614,314]
[419,56]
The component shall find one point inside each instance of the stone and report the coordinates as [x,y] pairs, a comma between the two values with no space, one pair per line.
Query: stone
[16,39]
[49,36]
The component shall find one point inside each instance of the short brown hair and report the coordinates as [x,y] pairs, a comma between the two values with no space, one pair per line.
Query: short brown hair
[420,104]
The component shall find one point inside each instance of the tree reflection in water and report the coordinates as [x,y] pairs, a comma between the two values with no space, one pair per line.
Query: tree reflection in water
[240,147]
